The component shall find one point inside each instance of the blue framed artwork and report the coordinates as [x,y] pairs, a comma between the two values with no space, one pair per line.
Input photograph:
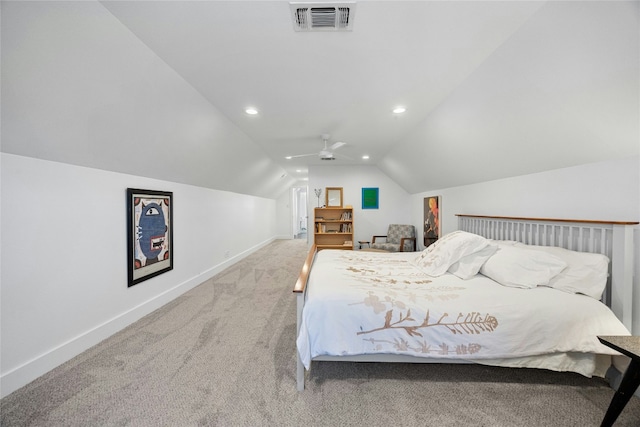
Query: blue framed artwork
[149,234]
[370,198]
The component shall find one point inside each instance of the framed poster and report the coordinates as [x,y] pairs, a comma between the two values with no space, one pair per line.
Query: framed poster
[333,197]
[149,234]
[370,198]
[431,220]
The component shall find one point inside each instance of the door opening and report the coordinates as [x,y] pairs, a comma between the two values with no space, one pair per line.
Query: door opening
[299,212]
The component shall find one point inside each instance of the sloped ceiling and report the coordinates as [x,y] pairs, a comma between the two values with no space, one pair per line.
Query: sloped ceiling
[561,91]
[492,89]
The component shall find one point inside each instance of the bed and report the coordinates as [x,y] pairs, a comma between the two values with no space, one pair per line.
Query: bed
[513,292]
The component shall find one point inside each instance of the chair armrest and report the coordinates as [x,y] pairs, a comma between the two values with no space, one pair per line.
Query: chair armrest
[409,239]
[373,239]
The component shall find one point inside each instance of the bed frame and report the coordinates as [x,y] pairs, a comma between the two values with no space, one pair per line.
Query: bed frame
[610,238]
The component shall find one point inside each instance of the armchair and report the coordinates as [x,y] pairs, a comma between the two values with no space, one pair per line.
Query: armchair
[399,238]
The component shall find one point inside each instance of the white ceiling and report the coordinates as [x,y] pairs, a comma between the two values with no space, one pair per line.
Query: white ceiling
[242,53]
[492,88]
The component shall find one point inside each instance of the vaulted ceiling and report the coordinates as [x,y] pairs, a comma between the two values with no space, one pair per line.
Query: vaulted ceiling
[491,89]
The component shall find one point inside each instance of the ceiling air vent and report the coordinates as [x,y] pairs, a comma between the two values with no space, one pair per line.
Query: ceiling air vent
[323,16]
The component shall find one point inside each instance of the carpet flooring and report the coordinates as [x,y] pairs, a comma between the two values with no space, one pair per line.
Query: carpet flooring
[223,354]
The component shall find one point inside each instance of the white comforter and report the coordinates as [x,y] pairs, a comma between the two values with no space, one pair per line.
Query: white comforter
[361,302]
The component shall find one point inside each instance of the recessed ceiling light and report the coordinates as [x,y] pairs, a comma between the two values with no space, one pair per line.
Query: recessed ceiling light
[399,110]
[288,157]
[365,157]
[251,111]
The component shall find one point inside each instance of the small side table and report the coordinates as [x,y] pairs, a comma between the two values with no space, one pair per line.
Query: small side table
[362,242]
[629,346]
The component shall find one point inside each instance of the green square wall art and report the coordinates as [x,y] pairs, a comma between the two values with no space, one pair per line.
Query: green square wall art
[370,198]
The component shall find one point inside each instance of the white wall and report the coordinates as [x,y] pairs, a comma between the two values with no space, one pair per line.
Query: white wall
[64,259]
[394,206]
[599,191]
[283,216]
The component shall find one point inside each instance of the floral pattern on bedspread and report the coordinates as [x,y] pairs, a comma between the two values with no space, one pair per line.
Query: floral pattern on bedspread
[443,349]
[397,282]
[368,302]
[388,292]
[397,277]
[472,323]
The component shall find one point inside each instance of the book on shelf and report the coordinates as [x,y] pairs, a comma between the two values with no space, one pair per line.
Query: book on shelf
[345,228]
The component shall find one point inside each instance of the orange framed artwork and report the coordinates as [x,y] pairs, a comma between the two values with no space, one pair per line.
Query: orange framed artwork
[431,231]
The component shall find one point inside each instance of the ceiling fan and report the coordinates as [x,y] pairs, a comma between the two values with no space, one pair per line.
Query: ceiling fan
[327,152]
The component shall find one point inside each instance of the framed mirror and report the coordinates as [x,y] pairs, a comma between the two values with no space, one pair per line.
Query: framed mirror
[333,197]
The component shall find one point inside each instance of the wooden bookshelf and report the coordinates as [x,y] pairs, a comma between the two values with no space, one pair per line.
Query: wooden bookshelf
[333,228]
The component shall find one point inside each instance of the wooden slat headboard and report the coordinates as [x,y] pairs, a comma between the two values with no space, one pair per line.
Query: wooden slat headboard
[611,238]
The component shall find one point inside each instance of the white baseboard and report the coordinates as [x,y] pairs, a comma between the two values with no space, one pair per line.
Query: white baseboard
[38,366]
[284,237]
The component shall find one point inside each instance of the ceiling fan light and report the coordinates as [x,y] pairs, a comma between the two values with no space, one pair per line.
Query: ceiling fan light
[326,155]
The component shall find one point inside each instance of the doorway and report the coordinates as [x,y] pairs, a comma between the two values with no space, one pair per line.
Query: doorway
[299,212]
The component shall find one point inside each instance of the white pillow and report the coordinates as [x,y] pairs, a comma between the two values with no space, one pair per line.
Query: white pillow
[519,267]
[586,273]
[469,265]
[437,258]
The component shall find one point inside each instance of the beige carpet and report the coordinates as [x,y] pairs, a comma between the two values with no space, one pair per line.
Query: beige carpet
[224,354]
